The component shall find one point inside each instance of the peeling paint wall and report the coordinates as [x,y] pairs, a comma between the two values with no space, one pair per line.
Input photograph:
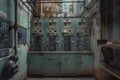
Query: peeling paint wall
[93,13]
[7,6]
[95,35]
[24,21]
[66,8]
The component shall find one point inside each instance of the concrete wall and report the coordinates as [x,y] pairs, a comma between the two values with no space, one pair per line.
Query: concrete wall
[93,13]
[95,35]
[7,6]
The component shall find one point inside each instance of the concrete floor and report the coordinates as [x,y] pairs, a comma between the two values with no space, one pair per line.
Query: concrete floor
[61,79]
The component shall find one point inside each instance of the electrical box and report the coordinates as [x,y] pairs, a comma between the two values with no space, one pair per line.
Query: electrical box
[52,35]
[67,42]
[37,36]
[83,36]
[82,28]
[52,28]
[67,31]
[67,27]
[6,40]
[22,35]
[59,34]
[5,34]
[37,43]
[83,43]
[52,42]
[37,29]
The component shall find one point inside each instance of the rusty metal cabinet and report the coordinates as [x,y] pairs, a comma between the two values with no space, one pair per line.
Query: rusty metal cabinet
[60,64]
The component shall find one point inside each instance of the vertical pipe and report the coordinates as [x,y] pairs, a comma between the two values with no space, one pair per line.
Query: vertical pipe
[15,27]
[101,19]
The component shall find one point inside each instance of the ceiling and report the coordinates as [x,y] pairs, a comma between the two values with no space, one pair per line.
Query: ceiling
[53,7]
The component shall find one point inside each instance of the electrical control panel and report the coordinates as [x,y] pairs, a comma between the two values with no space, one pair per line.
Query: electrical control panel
[59,34]
[37,29]
[67,27]
[67,42]
[52,28]
[82,28]
[37,34]
[52,35]
[83,36]
[37,43]
[5,34]
[83,42]
[22,35]
[52,42]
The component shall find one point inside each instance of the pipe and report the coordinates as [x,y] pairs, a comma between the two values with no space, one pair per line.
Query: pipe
[29,2]
[26,6]
[15,27]
[32,6]
[15,3]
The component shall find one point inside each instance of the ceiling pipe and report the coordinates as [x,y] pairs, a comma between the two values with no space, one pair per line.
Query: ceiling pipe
[26,6]
[31,5]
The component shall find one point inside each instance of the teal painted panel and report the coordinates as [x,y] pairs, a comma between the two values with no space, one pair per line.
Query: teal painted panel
[60,64]
[60,37]
[85,64]
[68,64]
[36,62]
[51,65]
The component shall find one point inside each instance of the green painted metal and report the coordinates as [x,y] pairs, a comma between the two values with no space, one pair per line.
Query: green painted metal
[85,38]
[60,63]
[65,63]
